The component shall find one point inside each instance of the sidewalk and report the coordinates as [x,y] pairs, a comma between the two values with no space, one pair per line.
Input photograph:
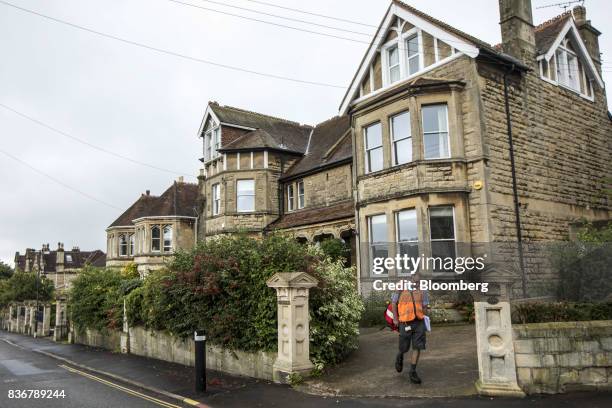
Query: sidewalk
[229,391]
[449,367]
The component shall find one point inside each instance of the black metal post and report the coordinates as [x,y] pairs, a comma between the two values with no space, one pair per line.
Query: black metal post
[200,360]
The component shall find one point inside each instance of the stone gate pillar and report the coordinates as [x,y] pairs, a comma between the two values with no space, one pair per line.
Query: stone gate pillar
[125,332]
[496,365]
[11,321]
[61,327]
[293,323]
[46,323]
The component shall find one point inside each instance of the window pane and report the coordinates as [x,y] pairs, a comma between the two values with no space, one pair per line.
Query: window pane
[442,249]
[436,145]
[246,187]
[403,151]
[407,226]
[378,228]
[393,56]
[290,198]
[394,74]
[301,196]
[434,118]
[413,65]
[401,126]
[373,136]
[167,238]
[441,223]
[246,203]
[412,45]
[375,159]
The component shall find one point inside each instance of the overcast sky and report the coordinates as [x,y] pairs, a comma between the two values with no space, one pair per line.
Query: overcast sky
[148,106]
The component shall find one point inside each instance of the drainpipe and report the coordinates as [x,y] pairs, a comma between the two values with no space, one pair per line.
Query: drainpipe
[517,215]
[355,191]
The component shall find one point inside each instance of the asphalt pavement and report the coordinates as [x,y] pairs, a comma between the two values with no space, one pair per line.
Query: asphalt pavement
[86,384]
[60,385]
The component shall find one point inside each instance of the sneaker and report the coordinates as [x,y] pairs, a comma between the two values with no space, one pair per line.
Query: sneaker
[399,363]
[414,378]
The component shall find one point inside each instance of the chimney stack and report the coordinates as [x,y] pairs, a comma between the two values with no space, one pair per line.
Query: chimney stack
[148,192]
[59,258]
[518,37]
[589,34]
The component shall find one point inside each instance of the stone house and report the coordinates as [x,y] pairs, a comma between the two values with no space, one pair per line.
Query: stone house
[153,228]
[59,266]
[462,147]
[262,173]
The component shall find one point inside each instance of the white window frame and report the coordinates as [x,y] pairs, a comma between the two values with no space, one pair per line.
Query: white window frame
[454,240]
[170,229]
[216,198]
[559,80]
[372,244]
[124,248]
[238,195]
[397,233]
[212,141]
[301,196]
[419,55]
[131,244]
[153,239]
[448,139]
[395,141]
[290,197]
[398,65]
[400,42]
[367,149]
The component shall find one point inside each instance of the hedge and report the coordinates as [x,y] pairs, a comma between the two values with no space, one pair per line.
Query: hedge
[541,312]
[221,286]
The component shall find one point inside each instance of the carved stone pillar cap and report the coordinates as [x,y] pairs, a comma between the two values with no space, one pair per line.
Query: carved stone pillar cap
[292,280]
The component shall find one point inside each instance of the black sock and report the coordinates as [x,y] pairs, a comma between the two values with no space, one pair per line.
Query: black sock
[413,367]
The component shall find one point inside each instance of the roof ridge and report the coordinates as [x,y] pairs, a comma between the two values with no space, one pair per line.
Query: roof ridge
[328,120]
[441,23]
[259,114]
[553,20]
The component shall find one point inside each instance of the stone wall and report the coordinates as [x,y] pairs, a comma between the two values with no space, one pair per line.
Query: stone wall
[327,187]
[563,356]
[94,338]
[161,346]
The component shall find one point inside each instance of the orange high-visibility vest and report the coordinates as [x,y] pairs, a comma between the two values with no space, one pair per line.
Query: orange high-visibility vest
[410,306]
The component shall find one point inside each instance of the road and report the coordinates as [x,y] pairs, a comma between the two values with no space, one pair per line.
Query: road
[24,370]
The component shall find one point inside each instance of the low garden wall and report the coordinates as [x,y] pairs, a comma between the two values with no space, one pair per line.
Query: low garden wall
[162,346]
[110,340]
[562,356]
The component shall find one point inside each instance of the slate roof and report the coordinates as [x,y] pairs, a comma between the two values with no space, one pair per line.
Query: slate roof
[270,132]
[310,216]
[329,143]
[178,200]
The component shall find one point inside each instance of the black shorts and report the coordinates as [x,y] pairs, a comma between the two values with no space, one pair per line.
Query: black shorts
[416,335]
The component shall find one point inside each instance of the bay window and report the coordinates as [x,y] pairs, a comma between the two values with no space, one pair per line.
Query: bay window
[401,136]
[436,142]
[301,202]
[290,198]
[407,235]
[442,230]
[167,238]
[216,199]
[373,148]
[155,239]
[377,231]
[123,245]
[245,195]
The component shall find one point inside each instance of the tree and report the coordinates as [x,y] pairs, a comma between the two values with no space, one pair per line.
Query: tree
[5,271]
[23,286]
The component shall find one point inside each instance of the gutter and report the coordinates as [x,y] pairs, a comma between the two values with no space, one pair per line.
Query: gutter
[317,169]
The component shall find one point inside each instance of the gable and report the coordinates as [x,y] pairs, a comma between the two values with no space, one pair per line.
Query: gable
[568,38]
[565,61]
[406,44]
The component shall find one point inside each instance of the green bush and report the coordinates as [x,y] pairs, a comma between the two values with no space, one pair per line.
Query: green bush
[375,305]
[336,249]
[25,286]
[540,312]
[583,265]
[96,298]
[221,286]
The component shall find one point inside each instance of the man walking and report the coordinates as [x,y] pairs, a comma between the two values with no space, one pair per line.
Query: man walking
[409,310]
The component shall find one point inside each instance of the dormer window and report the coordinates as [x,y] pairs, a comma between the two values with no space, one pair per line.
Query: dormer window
[394,64]
[212,140]
[413,54]
[566,69]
